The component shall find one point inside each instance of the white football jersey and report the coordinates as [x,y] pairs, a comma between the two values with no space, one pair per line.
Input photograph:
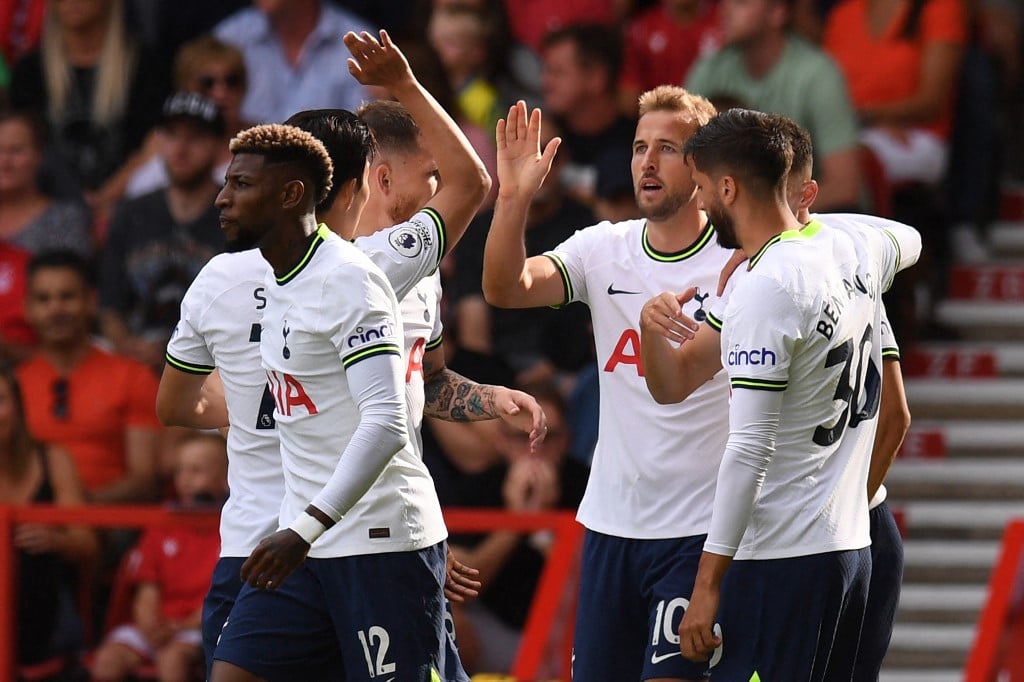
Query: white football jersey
[654,467]
[890,351]
[409,254]
[221,314]
[409,251]
[851,222]
[220,327]
[805,320]
[421,320]
[333,310]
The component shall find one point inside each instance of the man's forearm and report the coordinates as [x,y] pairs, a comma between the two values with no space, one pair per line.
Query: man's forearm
[661,368]
[505,251]
[454,398]
[457,163]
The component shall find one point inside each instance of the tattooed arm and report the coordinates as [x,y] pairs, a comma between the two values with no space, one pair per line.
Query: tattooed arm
[452,397]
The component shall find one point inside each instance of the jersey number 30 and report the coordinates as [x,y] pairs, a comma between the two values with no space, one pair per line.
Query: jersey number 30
[864,392]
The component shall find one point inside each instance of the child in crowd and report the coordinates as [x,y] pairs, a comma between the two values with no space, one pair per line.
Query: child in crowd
[170,570]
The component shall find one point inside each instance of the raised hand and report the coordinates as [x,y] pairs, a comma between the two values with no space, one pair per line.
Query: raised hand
[521,165]
[663,315]
[376,62]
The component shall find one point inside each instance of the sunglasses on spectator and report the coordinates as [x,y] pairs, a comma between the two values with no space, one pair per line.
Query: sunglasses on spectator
[59,389]
[234,80]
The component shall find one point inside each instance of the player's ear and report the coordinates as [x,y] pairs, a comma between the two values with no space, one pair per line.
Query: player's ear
[727,189]
[293,194]
[380,176]
[808,193]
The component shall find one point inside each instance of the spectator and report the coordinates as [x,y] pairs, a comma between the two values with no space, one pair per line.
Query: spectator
[45,554]
[459,34]
[295,57]
[581,72]
[170,571]
[97,405]
[159,241]
[30,219]
[510,65]
[901,61]
[510,563]
[662,43]
[16,337]
[770,69]
[532,20]
[21,24]
[81,78]
[213,69]
[166,25]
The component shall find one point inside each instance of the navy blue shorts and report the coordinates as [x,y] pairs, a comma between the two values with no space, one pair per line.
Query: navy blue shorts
[632,596]
[224,589]
[382,614]
[451,664]
[780,617]
[883,594]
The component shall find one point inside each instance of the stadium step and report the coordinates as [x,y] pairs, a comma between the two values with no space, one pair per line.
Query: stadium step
[951,603]
[955,520]
[961,439]
[953,675]
[986,320]
[934,645]
[955,479]
[1006,239]
[941,398]
[964,360]
[960,474]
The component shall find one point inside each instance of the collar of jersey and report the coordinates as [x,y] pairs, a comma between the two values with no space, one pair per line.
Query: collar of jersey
[322,232]
[691,250]
[806,232]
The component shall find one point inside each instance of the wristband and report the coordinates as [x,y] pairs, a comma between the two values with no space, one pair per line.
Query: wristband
[308,527]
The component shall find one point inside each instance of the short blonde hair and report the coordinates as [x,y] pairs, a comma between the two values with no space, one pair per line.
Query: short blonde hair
[194,55]
[287,144]
[675,99]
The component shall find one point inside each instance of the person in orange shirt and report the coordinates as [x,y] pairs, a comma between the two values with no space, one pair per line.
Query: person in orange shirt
[97,405]
[901,60]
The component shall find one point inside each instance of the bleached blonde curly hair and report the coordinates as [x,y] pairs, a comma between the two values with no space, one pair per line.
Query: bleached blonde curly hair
[279,143]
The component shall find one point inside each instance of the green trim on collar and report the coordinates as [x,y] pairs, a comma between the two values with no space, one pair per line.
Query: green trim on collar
[321,234]
[689,251]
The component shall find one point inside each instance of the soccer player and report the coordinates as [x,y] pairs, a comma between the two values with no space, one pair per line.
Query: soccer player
[893,422]
[220,327]
[664,362]
[357,499]
[800,337]
[648,500]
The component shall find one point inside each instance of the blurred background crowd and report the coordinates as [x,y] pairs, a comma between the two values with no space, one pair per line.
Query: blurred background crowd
[114,122]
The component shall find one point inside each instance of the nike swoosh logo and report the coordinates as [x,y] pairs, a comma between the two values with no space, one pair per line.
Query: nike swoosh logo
[612,291]
[656,659]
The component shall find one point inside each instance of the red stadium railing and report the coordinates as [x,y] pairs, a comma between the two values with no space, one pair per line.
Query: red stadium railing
[998,650]
[529,659]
